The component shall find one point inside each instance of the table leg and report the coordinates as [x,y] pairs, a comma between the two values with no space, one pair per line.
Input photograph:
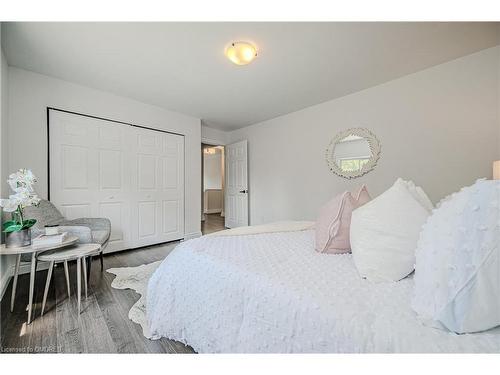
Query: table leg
[79,281]
[89,268]
[14,283]
[84,266]
[32,286]
[66,274]
[47,285]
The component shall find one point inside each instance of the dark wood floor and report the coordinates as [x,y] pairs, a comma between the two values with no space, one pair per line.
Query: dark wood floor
[102,327]
[212,223]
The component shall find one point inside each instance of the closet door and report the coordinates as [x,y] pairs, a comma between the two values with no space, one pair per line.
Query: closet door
[172,187]
[158,181]
[88,172]
[133,176]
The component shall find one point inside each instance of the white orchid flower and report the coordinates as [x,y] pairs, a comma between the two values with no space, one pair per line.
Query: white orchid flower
[14,182]
[23,179]
[29,178]
[21,182]
[32,200]
[22,196]
[8,205]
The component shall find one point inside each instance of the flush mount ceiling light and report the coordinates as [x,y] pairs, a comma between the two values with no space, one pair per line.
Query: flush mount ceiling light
[241,53]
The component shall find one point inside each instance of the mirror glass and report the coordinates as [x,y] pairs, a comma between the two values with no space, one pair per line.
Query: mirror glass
[353,152]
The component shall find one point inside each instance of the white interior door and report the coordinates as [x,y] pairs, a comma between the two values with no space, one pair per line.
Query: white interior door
[236,194]
[133,176]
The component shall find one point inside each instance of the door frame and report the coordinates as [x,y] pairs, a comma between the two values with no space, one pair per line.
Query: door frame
[117,122]
[213,143]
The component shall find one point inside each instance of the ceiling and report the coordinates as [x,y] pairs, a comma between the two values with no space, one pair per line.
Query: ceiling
[182,67]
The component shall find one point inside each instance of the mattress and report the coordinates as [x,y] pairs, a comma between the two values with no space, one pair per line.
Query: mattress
[273,293]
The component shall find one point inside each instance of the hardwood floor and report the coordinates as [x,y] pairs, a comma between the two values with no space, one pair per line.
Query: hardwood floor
[212,223]
[102,327]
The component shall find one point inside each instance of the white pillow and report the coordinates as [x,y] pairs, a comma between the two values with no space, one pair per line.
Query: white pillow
[457,275]
[385,231]
[419,194]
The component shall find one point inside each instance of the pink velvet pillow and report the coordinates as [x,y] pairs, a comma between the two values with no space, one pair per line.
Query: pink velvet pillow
[334,221]
[363,197]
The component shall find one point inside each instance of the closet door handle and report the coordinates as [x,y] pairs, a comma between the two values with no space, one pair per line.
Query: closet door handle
[244,191]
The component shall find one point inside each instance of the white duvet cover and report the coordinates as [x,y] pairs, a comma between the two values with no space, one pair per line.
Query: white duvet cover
[271,292]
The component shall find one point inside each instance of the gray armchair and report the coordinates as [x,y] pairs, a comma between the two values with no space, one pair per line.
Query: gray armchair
[88,230]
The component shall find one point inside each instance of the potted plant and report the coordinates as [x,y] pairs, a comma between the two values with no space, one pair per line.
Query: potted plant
[18,232]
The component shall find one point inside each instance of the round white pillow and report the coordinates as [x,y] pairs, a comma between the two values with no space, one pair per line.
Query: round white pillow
[457,274]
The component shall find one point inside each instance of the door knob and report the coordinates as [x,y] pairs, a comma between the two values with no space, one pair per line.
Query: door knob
[244,191]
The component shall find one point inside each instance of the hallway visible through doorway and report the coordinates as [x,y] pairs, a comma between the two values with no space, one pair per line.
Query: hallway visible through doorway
[212,193]
[212,223]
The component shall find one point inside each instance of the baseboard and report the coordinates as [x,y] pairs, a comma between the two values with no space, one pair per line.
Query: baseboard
[189,236]
[213,211]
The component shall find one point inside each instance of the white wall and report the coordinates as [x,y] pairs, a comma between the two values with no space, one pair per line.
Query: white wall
[5,262]
[498,102]
[30,95]
[438,127]
[214,136]
[212,171]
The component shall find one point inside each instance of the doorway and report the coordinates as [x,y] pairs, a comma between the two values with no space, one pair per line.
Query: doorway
[212,189]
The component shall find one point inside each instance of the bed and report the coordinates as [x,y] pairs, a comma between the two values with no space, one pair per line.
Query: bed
[268,291]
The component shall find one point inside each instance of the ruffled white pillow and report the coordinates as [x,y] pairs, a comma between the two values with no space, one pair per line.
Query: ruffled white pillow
[419,194]
[457,275]
[385,231]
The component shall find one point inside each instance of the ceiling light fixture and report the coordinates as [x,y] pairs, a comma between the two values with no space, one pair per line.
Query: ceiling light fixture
[241,53]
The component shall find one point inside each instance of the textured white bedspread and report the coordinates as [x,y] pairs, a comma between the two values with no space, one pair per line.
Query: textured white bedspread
[272,292]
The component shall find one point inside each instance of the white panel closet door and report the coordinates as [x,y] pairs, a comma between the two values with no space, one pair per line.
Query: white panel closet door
[134,177]
[236,205]
[158,181]
[88,172]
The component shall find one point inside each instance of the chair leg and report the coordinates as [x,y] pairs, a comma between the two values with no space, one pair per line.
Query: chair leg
[84,267]
[102,261]
[89,268]
[47,284]
[79,281]
[66,274]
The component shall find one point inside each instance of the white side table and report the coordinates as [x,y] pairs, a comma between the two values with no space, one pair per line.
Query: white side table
[78,252]
[18,251]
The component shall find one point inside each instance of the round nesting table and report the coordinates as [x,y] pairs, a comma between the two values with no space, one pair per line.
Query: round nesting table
[33,250]
[78,252]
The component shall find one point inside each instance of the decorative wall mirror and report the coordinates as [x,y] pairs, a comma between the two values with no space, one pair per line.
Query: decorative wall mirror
[353,152]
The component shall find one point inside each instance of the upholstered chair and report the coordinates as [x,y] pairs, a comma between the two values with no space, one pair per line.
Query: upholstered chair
[88,230]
